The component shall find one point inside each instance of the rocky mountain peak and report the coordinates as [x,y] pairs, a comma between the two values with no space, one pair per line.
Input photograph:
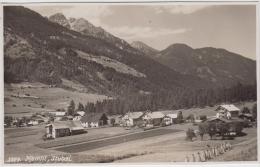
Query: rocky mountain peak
[144,48]
[60,19]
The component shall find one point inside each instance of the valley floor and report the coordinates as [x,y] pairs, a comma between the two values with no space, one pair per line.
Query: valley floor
[165,147]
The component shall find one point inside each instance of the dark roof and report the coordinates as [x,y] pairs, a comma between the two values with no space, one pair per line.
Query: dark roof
[217,119]
[225,120]
[93,117]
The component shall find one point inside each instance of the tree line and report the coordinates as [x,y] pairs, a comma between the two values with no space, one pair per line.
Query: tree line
[160,100]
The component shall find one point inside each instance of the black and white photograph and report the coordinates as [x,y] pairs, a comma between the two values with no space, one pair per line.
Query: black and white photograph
[128,83]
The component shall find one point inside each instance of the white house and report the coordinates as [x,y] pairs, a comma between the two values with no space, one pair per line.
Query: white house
[94,120]
[132,119]
[227,111]
[170,119]
[154,118]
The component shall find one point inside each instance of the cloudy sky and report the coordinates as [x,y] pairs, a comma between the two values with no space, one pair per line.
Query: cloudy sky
[232,27]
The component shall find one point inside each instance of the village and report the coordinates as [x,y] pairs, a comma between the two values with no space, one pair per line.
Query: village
[78,133]
[59,124]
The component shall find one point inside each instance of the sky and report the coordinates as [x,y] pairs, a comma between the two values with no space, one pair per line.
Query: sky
[232,27]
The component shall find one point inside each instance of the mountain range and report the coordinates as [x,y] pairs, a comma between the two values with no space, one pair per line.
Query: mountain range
[212,64]
[49,50]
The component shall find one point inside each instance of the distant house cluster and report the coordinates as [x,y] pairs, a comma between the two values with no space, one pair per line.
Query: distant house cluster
[59,124]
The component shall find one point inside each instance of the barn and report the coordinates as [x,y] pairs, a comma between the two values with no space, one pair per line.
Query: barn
[227,111]
[63,128]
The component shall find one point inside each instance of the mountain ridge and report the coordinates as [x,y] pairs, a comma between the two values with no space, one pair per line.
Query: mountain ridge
[56,55]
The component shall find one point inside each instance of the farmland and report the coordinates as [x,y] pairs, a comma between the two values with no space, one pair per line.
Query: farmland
[43,98]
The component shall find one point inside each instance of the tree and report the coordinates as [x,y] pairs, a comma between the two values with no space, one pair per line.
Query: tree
[191,118]
[254,112]
[223,129]
[8,120]
[190,134]
[80,107]
[71,108]
[245,110]
[203,129]
[211,130]
[180,117]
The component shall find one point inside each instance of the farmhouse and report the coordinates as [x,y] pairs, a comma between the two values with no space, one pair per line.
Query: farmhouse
[58,114]
[36,120]
[170,119]
[78,115]
[132,119]
[94,120]
[63,128]
[154,118]
[227,111]
[114,120]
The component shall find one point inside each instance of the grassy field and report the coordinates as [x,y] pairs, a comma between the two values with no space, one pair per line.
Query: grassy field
[43,98]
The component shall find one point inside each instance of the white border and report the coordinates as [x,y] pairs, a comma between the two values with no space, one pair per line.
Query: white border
[132,2]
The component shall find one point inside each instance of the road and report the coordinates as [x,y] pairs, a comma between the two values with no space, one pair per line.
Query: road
[75,148]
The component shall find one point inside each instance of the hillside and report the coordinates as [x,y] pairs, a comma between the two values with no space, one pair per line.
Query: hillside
[38,50]
[216,65]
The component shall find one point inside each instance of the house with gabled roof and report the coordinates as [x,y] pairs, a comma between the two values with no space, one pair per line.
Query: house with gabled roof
[170,119]
[63,128]
[227,111]
[92,120]
[132,119]
[154,118]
